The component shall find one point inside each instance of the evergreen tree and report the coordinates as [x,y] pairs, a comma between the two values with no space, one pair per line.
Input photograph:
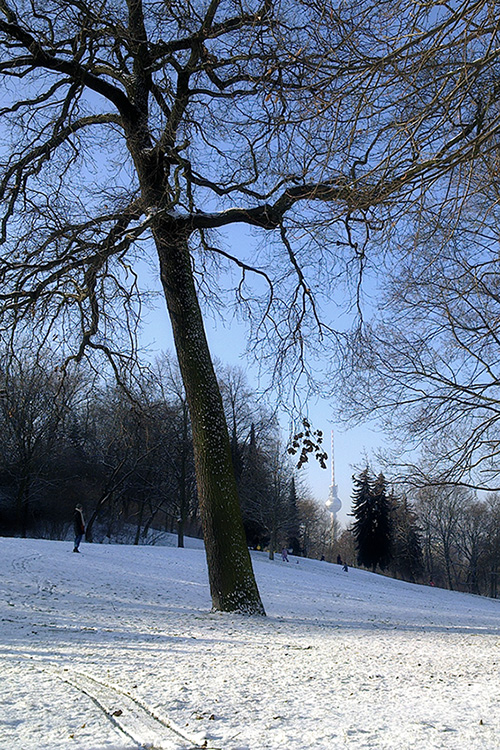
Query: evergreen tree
[362,512]
[294,525]
[372,528]
[407,544]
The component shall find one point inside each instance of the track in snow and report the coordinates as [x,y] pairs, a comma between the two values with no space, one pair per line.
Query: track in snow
[133,718]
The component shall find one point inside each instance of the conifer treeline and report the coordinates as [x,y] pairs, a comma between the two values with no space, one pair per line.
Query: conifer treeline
[440,535]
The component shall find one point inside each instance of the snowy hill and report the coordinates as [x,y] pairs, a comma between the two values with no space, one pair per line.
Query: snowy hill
[117,649]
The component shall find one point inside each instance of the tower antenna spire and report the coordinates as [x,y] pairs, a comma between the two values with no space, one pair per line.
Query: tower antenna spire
[334,503]
[333,461]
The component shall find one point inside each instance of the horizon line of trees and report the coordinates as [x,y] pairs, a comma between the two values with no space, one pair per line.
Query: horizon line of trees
[442,535]
[71,436]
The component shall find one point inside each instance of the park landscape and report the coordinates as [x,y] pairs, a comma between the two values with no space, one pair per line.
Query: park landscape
[326,175]
[118,649]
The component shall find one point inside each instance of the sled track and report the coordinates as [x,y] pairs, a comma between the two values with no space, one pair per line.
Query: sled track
[133,717]
[22,564]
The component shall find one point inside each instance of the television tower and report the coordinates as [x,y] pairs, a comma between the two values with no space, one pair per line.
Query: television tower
[334,503]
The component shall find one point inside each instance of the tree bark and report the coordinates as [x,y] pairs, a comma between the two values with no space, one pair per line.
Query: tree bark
[232,582]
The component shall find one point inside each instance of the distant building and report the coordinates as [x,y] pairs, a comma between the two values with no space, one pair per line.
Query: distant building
[334,503]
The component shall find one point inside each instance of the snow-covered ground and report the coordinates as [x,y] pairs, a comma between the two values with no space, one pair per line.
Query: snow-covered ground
[117,648]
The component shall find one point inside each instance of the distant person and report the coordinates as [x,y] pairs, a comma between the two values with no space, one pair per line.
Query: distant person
[284,554]
[345,568]
[78,526]
[339,560]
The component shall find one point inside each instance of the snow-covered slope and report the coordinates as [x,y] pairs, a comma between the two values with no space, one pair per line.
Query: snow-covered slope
[117,648]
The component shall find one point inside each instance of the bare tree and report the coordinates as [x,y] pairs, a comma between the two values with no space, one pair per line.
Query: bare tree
[493,544]
[168,389]
[35,404]
[428,369]
[441,511]
[425,365]
[326,546]
[275,512]
[312,123]
[123,447]
[245,414]
[473,543]
[315,525]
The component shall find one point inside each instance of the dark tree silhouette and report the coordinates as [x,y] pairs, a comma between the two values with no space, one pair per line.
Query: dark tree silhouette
[407,553]
[372,527]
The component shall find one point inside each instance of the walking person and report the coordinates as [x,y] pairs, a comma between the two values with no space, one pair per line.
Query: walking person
[78,526]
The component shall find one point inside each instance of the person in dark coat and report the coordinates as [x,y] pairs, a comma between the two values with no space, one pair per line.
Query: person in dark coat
[78,526]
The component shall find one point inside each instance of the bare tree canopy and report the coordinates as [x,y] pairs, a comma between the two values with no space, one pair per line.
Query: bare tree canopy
[317,121]
[130,125]
[428,368]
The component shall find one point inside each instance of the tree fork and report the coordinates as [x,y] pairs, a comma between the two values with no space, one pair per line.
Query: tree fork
[232,581]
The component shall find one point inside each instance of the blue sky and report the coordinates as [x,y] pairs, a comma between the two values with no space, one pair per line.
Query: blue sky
[227,343]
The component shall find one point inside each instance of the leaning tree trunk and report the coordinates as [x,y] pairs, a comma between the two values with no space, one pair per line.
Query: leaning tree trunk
[232,581]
